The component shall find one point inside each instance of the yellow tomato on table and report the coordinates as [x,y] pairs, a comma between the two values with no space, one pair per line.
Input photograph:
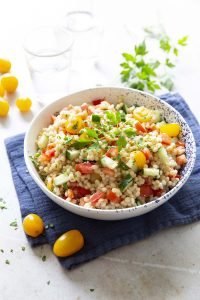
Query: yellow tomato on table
[33,225]
[9,83]
[68,243]
[24,104]
[5,66]
[4,107]
[2,91]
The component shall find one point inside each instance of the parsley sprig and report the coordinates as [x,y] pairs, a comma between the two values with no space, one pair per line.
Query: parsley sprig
[143,72]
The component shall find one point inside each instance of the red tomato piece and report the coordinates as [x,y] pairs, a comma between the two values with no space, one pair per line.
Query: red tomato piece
[97,101]
[50,153]
[147,153]
[84,168]
[80,192]
[108,171]
[158,193]
[181,160]
[139,127]
[113,197]
[112,152]
[166,139]
[95,197]
[146,190]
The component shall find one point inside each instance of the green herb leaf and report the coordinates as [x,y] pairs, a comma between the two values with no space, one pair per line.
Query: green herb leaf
[96,118]
[81,144]
[175,51]
[165,44]
[141,49]
[168,84]
[91,133]
[23,248]
[7,262]
[125,183]
[183,41]
[169,63]
[91,290]
[121,142]
[129,57]
[130,132]
[122,116]
[114,118]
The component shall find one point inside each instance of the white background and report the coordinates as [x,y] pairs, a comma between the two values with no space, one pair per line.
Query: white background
[164,266]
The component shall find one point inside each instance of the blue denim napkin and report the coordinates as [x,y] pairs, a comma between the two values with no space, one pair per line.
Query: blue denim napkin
[103,236]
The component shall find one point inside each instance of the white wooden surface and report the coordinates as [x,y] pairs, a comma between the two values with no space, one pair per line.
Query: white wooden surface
[164,266]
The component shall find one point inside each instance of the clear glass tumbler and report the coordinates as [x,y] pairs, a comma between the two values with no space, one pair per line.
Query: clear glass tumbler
[48,54]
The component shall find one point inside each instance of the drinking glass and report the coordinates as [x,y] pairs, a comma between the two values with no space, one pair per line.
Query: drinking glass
[48,54]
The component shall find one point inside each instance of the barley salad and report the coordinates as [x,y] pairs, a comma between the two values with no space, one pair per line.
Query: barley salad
[107,156]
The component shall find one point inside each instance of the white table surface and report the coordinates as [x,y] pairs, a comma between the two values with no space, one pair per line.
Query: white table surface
[164,266]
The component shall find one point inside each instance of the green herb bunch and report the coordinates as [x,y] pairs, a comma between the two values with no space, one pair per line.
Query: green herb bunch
[142,72]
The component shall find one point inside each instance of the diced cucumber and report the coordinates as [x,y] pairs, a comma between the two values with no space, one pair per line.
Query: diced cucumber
[60,179]
[132,165]
[72,154]
[156,116]
[42,141]
[107,162]
[153,172]
[162,154]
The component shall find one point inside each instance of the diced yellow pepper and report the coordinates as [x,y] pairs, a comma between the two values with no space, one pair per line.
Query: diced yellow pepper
[74,124]
[142,114]
[172,129]
[140,159]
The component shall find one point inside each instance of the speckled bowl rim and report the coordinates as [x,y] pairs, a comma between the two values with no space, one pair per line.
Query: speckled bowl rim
[161,200]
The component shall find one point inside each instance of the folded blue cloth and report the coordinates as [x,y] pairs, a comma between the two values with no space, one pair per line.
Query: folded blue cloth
[103,236]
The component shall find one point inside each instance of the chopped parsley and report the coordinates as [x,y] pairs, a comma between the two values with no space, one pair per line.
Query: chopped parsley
[121,142]
[14,224]
[2,204]
[23,248]
[7,262]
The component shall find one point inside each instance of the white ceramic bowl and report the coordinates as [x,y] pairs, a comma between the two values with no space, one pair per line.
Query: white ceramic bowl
[112,94]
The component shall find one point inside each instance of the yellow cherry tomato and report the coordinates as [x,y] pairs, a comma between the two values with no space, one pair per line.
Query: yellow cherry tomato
[33,225]
[10,83]
[2,91]
[142,114]
[4,107]
[5,66]
[140,159]
[69,243]
[74,124]
[172,129]
[24,104]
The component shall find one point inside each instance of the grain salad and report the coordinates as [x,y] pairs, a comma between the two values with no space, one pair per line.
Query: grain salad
[106,156]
